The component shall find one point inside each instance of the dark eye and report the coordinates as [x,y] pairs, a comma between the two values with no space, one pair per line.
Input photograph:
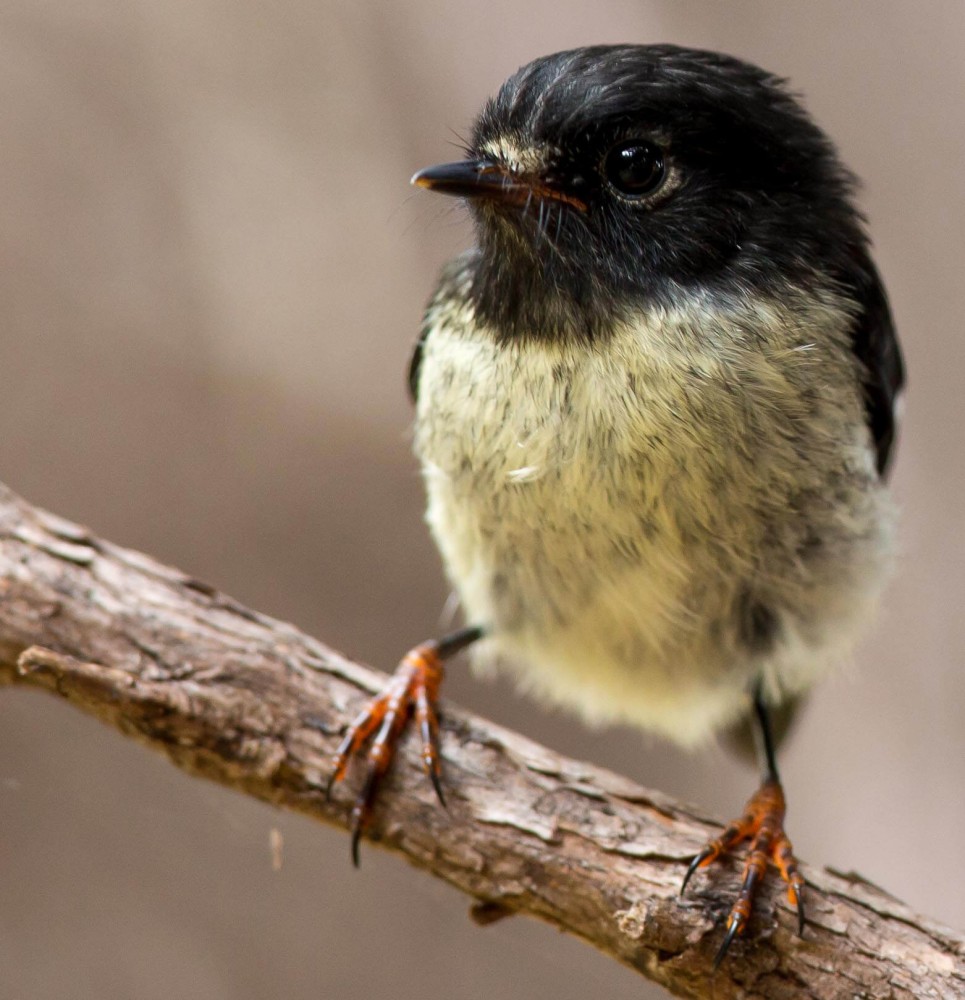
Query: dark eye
[635,168]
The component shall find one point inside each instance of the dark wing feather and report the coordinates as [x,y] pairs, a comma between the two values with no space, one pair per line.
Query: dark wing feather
[415,363]
[876,347]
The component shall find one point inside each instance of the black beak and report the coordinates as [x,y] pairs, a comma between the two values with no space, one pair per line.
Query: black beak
[467,179]
[486,179]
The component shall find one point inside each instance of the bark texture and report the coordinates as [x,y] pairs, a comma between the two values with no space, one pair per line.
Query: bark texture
[251,702]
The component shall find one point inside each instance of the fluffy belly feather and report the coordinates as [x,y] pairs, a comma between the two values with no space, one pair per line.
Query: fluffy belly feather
[639,540]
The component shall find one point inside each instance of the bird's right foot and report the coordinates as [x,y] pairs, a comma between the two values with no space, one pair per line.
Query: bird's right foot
[413,690]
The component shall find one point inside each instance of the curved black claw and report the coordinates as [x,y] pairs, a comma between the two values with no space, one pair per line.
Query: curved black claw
[697,861]
[733,930]
[437,785]
[799,906]
[428,728]
[361,809]
[356,837]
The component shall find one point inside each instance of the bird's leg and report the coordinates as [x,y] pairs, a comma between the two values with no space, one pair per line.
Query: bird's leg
[763,825]
[412,690]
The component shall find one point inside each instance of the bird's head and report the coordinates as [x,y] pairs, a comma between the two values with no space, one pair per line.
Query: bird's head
[608,178]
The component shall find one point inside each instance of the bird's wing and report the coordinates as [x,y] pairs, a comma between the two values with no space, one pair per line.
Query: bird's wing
[415,363]
[875,344]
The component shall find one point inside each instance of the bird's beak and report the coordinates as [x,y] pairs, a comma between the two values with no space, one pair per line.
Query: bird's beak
[490,180]
[466,179]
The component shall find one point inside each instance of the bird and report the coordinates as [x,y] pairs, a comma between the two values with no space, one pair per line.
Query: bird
[655,412]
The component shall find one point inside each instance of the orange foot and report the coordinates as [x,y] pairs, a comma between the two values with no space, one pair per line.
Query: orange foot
[412,690]
[763,825]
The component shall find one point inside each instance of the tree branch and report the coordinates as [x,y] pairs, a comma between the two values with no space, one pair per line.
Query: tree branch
[248,701]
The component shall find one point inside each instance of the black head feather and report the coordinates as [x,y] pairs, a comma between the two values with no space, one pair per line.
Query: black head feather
[755,201]
[757,195]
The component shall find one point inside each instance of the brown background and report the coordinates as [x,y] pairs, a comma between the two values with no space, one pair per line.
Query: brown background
[211,273]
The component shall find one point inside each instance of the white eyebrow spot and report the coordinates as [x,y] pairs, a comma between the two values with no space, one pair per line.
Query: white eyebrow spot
[513,156]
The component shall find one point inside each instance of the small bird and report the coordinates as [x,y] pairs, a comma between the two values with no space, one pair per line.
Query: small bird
[655,408]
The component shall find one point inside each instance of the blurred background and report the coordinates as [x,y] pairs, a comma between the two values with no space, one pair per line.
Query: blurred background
[212,271]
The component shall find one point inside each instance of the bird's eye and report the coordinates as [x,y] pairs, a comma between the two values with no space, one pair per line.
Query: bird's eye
[635,168]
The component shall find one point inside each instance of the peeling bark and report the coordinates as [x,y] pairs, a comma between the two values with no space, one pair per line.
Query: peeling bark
[248,701]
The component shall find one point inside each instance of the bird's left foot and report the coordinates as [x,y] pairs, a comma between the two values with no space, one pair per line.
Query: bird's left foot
[763,825]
